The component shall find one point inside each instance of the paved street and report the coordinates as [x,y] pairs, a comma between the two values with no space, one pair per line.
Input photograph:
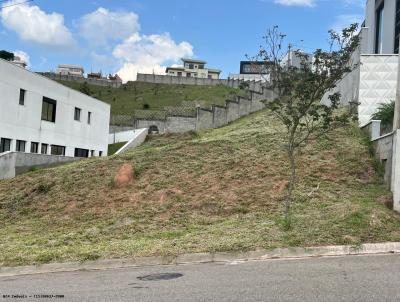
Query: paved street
[362,278]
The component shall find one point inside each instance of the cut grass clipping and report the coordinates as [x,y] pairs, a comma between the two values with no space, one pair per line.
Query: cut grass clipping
[216,190]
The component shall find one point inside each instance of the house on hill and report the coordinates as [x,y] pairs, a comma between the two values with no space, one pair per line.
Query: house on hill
[193,68]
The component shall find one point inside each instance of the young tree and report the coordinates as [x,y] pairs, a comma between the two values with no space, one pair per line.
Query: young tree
[301,88]
[8,56]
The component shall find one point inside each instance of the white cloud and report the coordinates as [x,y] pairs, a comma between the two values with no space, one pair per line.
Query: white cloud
[34,25]
[308,3]
[148,54]
[343,21]
[103,25]
[23,56]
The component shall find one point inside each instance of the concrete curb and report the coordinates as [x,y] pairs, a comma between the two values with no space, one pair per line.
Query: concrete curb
[197,258]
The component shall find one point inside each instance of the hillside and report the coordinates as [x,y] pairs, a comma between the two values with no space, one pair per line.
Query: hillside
[140,95]
[216,190]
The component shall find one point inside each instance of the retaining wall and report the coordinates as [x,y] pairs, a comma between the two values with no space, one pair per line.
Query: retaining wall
[70,78]
[15,163]
[215,117]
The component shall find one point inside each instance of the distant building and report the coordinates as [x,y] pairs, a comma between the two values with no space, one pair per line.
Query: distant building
[94,75]
[251,71]
[73,70]
[193,68]
[293,59]
[19,62]
[41,116]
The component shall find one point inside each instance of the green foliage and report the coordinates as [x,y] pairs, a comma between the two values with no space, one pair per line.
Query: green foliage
[385,114]
[146,106]
[8,56]
[84,88]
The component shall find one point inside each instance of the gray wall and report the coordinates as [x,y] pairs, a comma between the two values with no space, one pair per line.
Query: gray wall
[70,78]
[215,117]
[14,163]
[166,79]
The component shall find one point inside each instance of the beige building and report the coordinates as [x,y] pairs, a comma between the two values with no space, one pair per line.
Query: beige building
[195,69]
[74,70]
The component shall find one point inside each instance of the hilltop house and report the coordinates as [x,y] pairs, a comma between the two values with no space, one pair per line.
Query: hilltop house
[40,116]
[73,70]
[193,68]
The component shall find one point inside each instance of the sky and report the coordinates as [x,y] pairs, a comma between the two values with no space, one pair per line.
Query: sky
[130,36]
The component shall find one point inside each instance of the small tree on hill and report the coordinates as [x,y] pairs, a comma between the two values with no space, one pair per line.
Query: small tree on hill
[301,88]
[8,56]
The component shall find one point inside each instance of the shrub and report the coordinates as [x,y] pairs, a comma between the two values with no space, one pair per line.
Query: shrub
[385,114]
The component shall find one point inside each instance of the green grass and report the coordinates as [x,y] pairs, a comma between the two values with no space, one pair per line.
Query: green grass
[136,95]
[113,148]
[214,190]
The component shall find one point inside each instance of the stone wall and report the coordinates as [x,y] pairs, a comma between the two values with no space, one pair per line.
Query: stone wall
[215,117]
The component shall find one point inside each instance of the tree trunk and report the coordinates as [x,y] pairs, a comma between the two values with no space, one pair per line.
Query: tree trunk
[292,181]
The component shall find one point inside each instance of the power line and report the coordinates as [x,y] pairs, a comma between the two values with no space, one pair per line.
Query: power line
[14,4]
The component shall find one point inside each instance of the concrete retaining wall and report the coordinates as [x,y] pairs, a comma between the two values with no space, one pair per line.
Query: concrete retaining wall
[15,163]
[166,79]
[124,136]
[215,117]
[138,139]
[70,78]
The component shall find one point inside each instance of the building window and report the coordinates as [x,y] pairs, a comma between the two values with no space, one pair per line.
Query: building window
[34,147]
[22,97]
[210,76]
[379,29]
[201,66]
[57,150]
[44,149]
[5,145]
[188,74]
[89,117]
[100,153]
[77,114]
[81,152]
[49,110]
[191,66]
[91,153]
[397,28]
[179,73]
[20,146]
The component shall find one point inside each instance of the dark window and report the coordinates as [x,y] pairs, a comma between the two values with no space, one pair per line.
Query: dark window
[49,110]
[188,74]
[81,152]
[210,76]
[397,28]
[379,29]
[89,118]
[57,150]
[5,145]
[22,97]
[179,73]
[20,146]
[100,153]
[191,66]
[34,147]
[201,66]
[77,115]
[91,153]
[44,149]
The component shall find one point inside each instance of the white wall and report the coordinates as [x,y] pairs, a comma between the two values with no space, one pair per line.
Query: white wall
[24,122]
[378,82]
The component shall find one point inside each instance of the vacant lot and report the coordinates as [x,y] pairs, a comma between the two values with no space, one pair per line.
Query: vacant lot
[139,95]
[217,190]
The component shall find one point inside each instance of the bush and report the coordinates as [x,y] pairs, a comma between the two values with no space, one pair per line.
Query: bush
[385,114]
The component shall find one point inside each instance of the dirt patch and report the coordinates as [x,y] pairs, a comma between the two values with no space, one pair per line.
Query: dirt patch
[124,176]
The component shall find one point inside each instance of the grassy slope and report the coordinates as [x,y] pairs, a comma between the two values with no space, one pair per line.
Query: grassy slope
[133,96]
[212,191]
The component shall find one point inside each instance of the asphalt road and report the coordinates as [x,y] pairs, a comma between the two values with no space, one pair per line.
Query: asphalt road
[355,278]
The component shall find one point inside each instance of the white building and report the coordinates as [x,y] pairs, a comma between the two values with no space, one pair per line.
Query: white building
[251,71]
[193,68]
[38,115]
[375,80]
[73,70]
